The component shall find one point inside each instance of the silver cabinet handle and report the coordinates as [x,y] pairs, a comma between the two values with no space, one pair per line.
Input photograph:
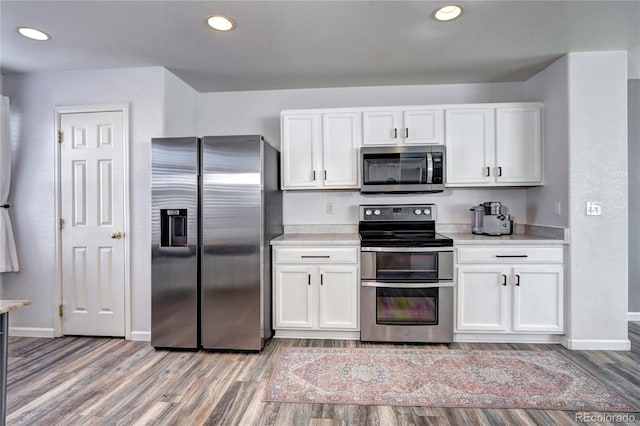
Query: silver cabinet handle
[512,255]
[504,280]
[406,133]
[321,279]
[314,175]
[325,175]
[517,280]
[487,172]
[499,171]
[315,257]
[308,279]
[395,133]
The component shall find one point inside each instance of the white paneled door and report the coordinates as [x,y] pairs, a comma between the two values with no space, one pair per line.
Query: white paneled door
[92,203]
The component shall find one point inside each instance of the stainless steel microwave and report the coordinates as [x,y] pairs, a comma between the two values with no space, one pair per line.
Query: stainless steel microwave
[403,169]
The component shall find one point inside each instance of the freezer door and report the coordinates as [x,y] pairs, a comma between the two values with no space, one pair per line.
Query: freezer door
[174,242]
[231,244]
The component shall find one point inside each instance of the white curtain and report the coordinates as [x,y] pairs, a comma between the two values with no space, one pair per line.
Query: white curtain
[8,253]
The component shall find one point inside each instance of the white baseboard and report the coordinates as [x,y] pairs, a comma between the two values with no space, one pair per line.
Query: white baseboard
[317,334]
[633,316]
[506,338]
[31,332]
[596,345]
[141,336]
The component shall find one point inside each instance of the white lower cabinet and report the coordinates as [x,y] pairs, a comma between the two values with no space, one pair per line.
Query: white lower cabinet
[315,291]
[294,296]
[538,299]
[521,295]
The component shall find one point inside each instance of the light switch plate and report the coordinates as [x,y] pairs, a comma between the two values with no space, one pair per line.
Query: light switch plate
[594,208]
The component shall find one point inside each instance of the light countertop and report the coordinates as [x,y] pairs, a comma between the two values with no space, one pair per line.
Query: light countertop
[459,238]
[10,305]
[317,239]
[525,239]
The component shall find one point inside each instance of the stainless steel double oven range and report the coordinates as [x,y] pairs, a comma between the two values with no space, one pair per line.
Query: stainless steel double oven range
[406,276]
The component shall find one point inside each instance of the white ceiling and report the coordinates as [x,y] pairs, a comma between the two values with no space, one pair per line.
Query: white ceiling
[299,44]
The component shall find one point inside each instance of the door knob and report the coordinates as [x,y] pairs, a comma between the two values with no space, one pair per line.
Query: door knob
[117,235]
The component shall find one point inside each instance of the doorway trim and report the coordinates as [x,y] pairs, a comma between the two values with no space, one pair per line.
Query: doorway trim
[57,295]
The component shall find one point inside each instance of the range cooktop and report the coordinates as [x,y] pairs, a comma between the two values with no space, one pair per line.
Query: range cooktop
[407,225]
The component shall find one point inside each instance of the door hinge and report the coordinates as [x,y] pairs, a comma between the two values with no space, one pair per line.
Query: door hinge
[60,223]
[59,136]
[60,310]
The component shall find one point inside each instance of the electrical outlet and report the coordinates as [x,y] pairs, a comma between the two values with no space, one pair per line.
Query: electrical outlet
[594,208]
[329,208]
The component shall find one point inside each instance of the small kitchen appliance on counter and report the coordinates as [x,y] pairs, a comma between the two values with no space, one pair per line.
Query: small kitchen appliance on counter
[488,219]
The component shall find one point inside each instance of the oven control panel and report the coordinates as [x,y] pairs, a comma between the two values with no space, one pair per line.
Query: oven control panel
[404,212]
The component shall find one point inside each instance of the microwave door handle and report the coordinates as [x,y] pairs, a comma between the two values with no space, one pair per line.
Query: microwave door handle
[429,168]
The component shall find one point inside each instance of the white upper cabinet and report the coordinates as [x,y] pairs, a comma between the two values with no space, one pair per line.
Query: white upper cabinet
[470,146]
[340,140]
[494,145]
[519,144]
[403,126]
[382,127]
[424,126]
[301,151]
[320,150]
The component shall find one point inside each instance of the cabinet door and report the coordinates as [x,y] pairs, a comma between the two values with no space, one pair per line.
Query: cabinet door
[382,127]
[518,145]
[482,298]
[301,144]
[423,127]
[538,298]
[293,297]
[338,303]
[470,142]
[340,141]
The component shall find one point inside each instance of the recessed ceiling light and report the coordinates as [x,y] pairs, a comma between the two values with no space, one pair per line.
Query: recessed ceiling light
[33,33]
[447,13]
[221,23]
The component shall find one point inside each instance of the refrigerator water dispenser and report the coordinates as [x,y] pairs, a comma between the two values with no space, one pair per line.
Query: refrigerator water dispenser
[173,227]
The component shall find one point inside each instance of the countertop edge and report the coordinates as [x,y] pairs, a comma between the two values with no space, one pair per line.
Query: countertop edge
[515,239]
[317,239]
[11,305]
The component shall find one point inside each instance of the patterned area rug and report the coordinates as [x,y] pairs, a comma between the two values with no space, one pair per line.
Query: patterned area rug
[439,378]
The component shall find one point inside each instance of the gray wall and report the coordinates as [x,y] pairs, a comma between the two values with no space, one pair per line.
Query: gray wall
[634,195]
[551,86]
[33,99]
[598,286]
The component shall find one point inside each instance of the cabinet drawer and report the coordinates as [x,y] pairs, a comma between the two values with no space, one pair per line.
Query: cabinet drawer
[509,254]
[316,255]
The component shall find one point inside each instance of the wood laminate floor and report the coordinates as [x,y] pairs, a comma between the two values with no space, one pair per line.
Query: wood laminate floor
[102,381]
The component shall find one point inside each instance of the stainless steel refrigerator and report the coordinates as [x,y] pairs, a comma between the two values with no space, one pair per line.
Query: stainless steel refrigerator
[216,204]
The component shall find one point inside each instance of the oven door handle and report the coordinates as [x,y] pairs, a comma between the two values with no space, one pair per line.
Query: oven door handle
[406,249]
[407,285]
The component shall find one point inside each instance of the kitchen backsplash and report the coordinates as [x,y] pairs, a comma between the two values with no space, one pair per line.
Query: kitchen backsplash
[341,207]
